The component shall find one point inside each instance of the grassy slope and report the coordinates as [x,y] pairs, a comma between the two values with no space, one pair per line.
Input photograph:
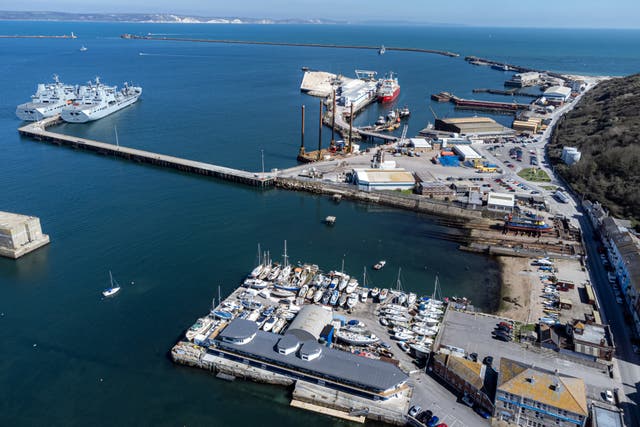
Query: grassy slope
[605,127]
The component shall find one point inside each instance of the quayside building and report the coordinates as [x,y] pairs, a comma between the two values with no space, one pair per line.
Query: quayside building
[298,355]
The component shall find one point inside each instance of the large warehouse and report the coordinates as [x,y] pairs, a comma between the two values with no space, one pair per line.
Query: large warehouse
[383,179]
[470,125]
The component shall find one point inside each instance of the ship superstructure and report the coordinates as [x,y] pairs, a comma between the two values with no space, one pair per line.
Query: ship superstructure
[49,100]
[97,100]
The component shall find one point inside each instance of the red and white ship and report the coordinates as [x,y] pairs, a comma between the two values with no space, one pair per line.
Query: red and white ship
[389,88]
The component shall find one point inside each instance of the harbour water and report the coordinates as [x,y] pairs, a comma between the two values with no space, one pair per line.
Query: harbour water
[73,358]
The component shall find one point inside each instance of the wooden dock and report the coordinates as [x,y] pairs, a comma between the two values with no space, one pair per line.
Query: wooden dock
[321,45]
[39,132]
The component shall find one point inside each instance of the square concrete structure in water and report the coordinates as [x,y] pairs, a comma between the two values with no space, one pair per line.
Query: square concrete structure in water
[20,234]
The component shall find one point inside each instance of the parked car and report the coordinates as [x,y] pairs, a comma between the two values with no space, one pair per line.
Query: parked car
[482,412]
[506,324]
[501,338]
[415,410]
[433,421]
[608,396]
[424,416]
[474,357]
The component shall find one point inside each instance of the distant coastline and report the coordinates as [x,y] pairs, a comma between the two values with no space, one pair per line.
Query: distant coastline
[150,18]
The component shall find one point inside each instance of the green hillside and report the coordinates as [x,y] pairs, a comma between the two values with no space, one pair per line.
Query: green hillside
[605,127]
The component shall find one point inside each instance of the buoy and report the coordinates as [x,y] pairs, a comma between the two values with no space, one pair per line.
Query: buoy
[35,345]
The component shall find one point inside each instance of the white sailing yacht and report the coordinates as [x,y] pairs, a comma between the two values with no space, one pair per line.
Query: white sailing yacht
[113,288]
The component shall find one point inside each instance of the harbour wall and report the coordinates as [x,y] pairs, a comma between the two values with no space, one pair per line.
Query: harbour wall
[388,199]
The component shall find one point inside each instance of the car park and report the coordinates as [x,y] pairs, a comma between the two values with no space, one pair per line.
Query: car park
[433,421]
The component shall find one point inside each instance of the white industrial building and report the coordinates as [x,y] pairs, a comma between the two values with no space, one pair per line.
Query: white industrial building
[557,93]
[500,202]
[466,153]
[383,179]
[570,155]
[527,79]
[419,144]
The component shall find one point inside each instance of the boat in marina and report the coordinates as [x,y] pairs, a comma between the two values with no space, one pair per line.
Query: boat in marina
[364,293]
[421,351]
[389,89]
[286,286]
[343,299]
[310,293]
[384,321]
[282,293]
[251,305]
[222,314]
[351,286]
[352,301]
[383,294]
[335,295]
[404,112]
[96,101]
[113,288]
[527,222]
[381,121]
[256,283]
[403,336]
[379,265]
[274,272]
[256,271]
[375,292]
[318,295]
[280,324]
[303,291]
[411,298]
[264,293]
[404,346]
[344,281]
[326,296]
[48,100]
[354,338]
[200,326]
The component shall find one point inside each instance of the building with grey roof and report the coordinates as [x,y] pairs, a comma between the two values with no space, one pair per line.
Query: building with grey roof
[305,359]
[309,322]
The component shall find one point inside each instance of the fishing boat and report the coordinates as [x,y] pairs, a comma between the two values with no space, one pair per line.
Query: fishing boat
[354,338]
[200,326]
[404,112]
[383,294]
[113,288]
[379,265]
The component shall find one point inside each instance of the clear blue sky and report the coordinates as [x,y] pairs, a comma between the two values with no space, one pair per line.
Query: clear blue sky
[512,13]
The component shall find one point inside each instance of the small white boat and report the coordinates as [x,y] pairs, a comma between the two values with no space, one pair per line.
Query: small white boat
[265,293]
[351,286]
[352,301]
[256,283]
[375,292]
[379,265]
[279,325]
[421,351]
[310,293]
[404,346]
[384,321]
[383,294]
[303,291]
[274,273]
[403,336]
[318,295]
[411,298]
[113,288]
[381,121]
[281,293]
[382,50]
[83,48]
[356,338]
[364,293]
[256,271]
[342,300]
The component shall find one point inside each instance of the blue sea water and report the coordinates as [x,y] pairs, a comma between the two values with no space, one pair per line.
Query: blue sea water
[71,358]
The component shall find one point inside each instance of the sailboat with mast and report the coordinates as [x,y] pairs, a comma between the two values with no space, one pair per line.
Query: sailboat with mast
[114,287]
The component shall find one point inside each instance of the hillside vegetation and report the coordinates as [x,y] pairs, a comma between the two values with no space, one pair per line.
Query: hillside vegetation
[605,127]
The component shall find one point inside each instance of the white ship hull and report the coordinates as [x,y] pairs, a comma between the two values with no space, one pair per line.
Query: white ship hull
[32,112]
[77,114]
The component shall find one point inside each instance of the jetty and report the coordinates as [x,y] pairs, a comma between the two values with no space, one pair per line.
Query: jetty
[266,43]
[38,131]
[26,36]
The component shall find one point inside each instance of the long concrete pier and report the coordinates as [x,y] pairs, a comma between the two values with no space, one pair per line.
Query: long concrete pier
[322,45]
[39,132]
[21,36]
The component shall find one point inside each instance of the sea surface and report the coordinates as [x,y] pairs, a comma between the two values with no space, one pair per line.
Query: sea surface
[71,358]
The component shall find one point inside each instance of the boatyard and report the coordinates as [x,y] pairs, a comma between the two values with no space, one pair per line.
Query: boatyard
[327,333]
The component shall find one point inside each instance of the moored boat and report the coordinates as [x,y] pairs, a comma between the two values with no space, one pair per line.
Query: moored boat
[389,88]
[379,265]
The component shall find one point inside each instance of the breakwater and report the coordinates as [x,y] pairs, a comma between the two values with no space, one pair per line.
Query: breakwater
[38,131]
[320,45]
